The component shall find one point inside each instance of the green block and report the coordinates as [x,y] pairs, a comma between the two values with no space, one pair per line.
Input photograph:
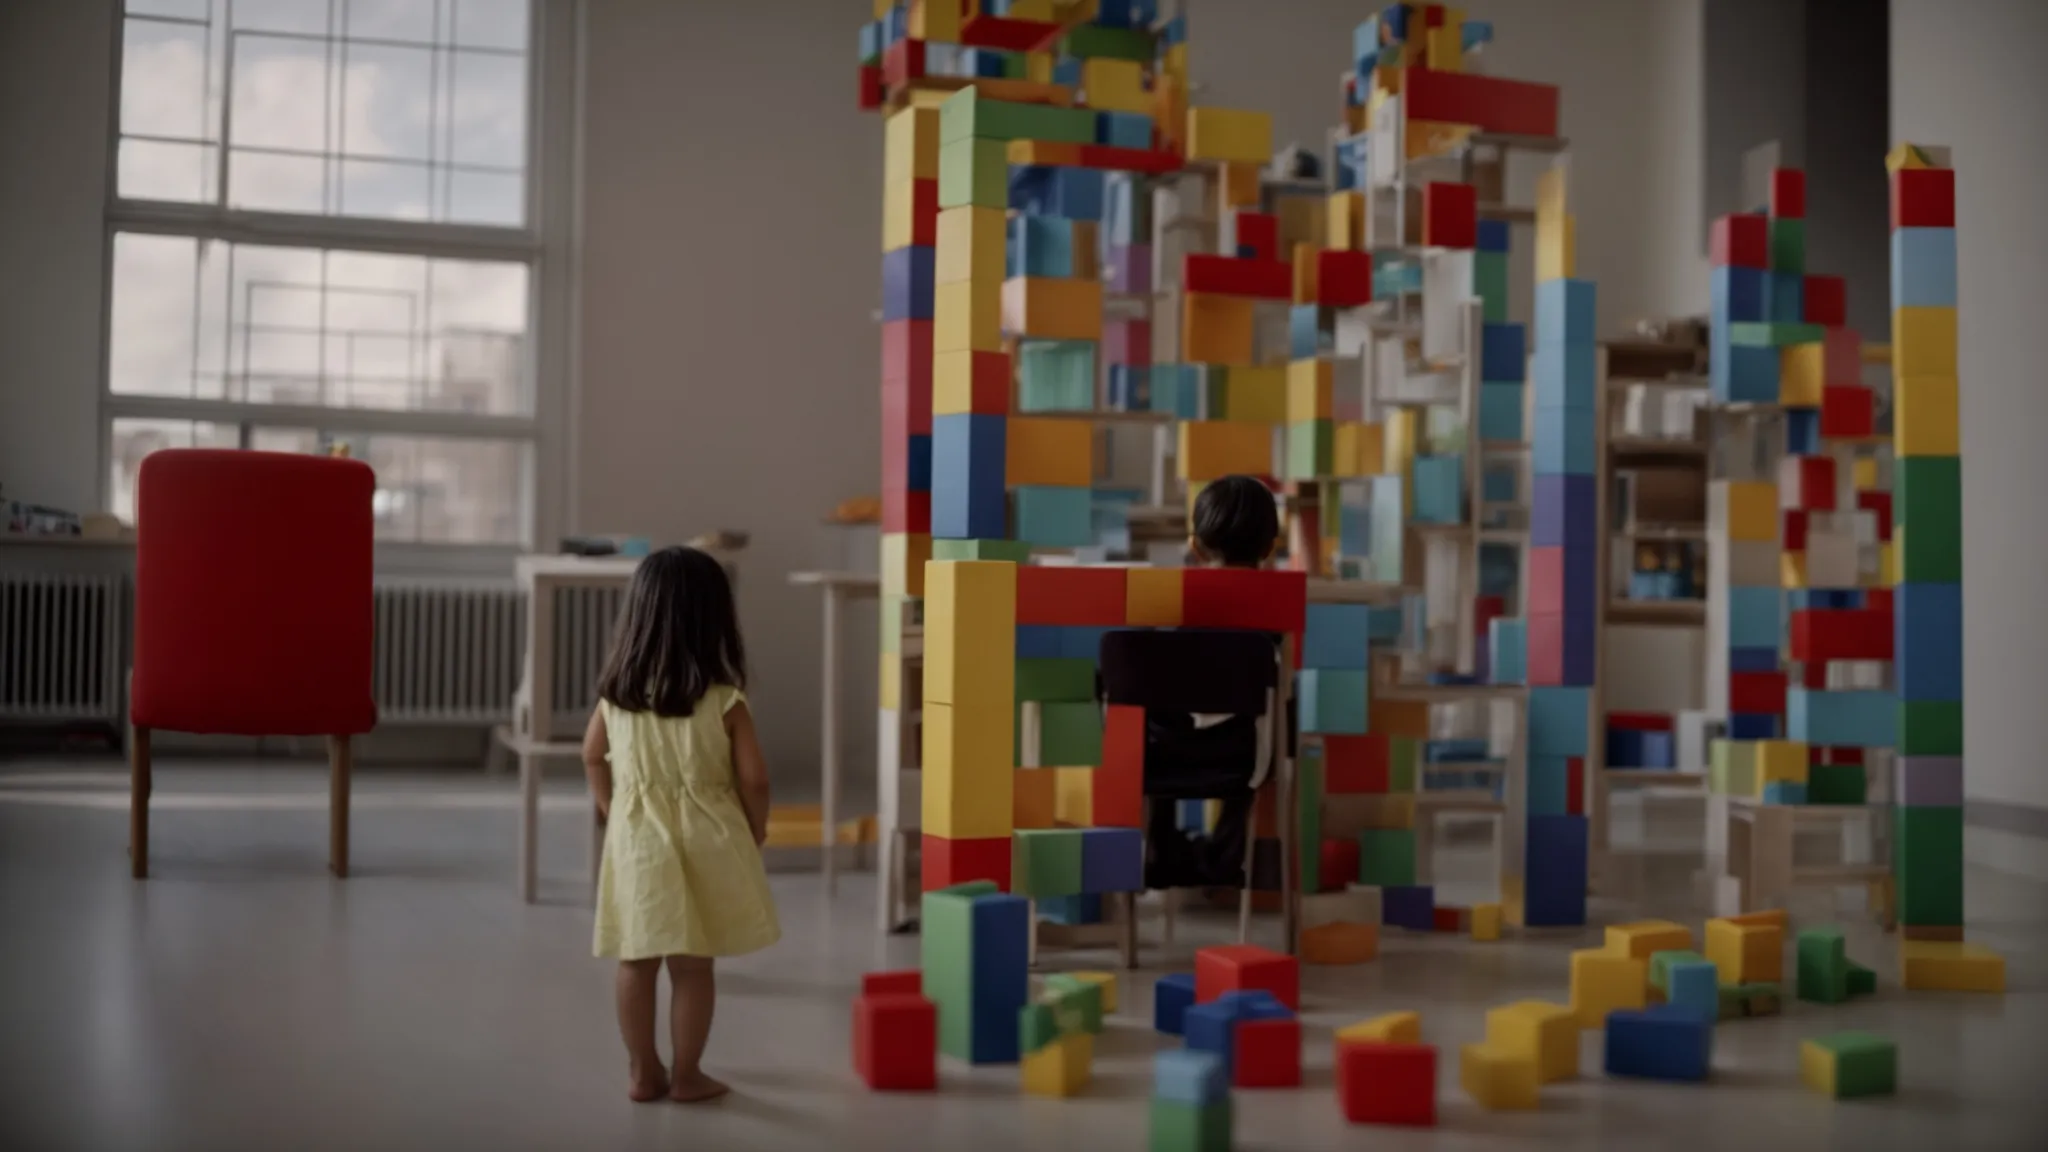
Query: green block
[1404,756]
[1754,999]
[1077,1003]
[1927,501]
[1862,981]
[1661,962]
[946,957]
[1015,66]
[1752,335]
[1930,728]
[1311,449]
[1014,551]
[1865,1065]
[1086,40]
[1215,390]
[969,115]
[1056,376]
[1386,857]
[1056,680]
[1069,735]
[1927,865]
[1308,798]
[1823,966]
[1036,1027]
[1788,245]
[1490,281]
[1836,784]
[1045,862]
[1178,1127]
[976,172]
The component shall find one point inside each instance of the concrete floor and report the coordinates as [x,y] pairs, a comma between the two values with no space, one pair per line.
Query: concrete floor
[243,1000]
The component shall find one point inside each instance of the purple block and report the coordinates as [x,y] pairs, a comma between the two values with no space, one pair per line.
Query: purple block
[1409,906]
[907,283]
[1130,268]
[1563,510]
[1930,781]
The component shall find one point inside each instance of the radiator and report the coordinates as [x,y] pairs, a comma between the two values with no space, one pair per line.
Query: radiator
[450,653]
[61,639]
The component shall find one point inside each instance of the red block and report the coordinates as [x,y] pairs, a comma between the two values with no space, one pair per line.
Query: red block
[1757,693]
[1826,300]
[1228,276]
[1118,784]
[1127,342]
[950,862]
[1356,765]
[1820,754]
[1243,968]
[1112,159]
[1847,412]
[1339,868]
[1260,233]
[1387,1083]
[903,62]
[1546,654]
[1263,601]
[1575,786]
[1640,721]
[1881,504]
[1878,599]
[1450,215]
[1788,195]
[1087,597]
[924,210]
[1343,278]
[1813,677]
[907,376]
[1267,1055]
[1513,107]
[1547,592]
[904,510]
[1924,198]
[902,982]
[870,87]
[1841,353]
[1814,482]
[896,1042]
[988,383]
[1742,240]
[981,31]
[1793,534]
[1447,918]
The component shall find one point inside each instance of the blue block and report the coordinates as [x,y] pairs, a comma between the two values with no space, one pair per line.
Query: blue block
[1802,430]
[1049,517]
[1078,908]
[1038,641]
[1557,721]
[1408,906]
[1662,1042]
[1177,388]
[1386,623]
[1784,792]
[1577,585]
[1752,726]
[1787,292]
[1212,1028]
[1624,748]
[871,34]
[899,23]
[1081,642]
[1040,246]
[1473,33]
[967,475]
[1660,750]
[1923,267]
[1739,296]
[1331,701]
[1567,312]
[1306,338]
[1067,72]
[1193,815]
[1000,982]
[985,62]
[918,464]
[1554,871]
[1176,31]
[1112,860]
[1439,489]
[1494,235]
[1508,650]
[1742,374]
[1758,659]
[908,283]
[1844,719]
[1172,995]
[1563,510]
[1130,387]
[1501,485]
[1337,636]
[1695,986]
[1077,193]
[1755,617]
[1185,1076]
[1123,129]
[1562,442]
[1565,375]
[1550,785]
[1503,353]
[1927,641]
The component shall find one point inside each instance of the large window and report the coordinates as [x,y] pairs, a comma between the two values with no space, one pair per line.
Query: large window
[322,236]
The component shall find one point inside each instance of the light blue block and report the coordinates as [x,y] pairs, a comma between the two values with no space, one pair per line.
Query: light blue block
[1332,701]
[1439,489]
[1337,636]
[1055,375]
[1186,1076]
[1923,267]
[1040,246]
[1843,719]
[1739,374]
[1558,721]
[1123,129]
[1508,650]
[1739,295]
[1784,792]
[1787,292]
[1565,375]
[1500,411]
[1177,388]
[1567,312]
[1694,984]
[1562,442]
[1054,517]
[1550,785]
[1755,617]
[1927,641]
[1306,338]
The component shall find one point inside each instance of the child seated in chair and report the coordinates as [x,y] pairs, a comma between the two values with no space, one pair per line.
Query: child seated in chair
[1236,525]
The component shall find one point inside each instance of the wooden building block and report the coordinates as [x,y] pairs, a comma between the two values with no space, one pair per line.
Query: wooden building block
[970,633]
[968,790]
[896,1041]
[970,382]
[1077,596]
[1061,1068]
[1382,1083]
[910,145]
[1744,509]
[1391,1028]
[1486,921]
[1545,1034]
[1846,1065]
[1035,796]
[1950,966]
[967,316]
[1642,939]
[1310,390]
[970,245]
[1923,342]
[910,213]
[1243,968]
[1926,416]
[1074,796]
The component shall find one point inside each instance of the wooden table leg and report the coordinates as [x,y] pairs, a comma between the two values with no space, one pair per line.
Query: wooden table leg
[138,804]
[540,683]
[340,762]
[828,737]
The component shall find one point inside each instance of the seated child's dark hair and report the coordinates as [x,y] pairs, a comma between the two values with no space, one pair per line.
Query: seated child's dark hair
[1235,521]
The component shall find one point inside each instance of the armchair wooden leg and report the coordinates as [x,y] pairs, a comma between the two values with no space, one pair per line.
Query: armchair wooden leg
[138,804]
[339,763]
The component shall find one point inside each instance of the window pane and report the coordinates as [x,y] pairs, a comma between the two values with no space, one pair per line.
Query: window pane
[134,439]
[389,102]
[153,317]
[156,171]
[490,109]
[445,490]
[268,183]
[410,20]
[307,16]
[163,80]
[486,198]
[279,96]
[176,9]
[394,191]
[492,23]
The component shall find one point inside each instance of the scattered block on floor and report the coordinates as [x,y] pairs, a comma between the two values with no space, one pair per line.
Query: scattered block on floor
[1643,939]
[1486,921]
[1950,966]
[1077,1002]
[1760,999]
[1392,1028]
[1663,1042]
[1106,981]
[1849,1064]
[1695,985]
[1497,1079]
[896,1041]
[1821,959]
[1340,944]
[1661,964]
[975,946]
[1058,1059]
[1213,1027]
[1245,968]
[903,981]
[1268,1053]
[1746,951]
[1172,996]
[1862,981]
[1190,1103]
[1603,982]
[1546,1034]
[1387,1083]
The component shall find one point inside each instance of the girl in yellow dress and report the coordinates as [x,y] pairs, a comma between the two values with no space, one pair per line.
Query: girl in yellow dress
[676,770]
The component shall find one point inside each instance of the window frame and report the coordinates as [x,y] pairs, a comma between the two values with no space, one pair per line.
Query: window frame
[542,245]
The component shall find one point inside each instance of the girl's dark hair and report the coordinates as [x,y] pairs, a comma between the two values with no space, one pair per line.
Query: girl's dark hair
[1236,522]
[678,636]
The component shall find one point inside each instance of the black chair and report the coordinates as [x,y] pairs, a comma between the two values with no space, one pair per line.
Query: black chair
[1176,673]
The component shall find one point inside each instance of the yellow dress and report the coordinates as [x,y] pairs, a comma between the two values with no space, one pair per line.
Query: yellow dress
[681,873]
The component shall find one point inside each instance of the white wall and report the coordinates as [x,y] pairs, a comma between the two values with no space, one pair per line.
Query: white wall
[1674,160]
[1976,85]
[54,116]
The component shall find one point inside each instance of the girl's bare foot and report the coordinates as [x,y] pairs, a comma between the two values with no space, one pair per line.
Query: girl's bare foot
[651,1084]
[696,1089]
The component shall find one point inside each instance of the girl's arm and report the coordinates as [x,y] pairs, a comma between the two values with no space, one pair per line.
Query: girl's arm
[750,769]
[597,765]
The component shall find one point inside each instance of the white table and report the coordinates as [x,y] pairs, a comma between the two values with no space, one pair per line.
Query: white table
[839,588]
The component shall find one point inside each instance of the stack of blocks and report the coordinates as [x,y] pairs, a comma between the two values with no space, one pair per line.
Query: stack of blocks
[976,949]
[1244,1013]
[1385,1073]
[1745,625]
[1056,1043]
[969,722]
[1190,1102]
[1528,1044]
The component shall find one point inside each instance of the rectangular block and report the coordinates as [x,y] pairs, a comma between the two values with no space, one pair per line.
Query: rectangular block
[970,634]
[1923,198]
[1946,966]
[1153,597]
[1046,862]
[974,173]
[1558,721]
[975,966]
[1564,511]
[1554,869]
[1923,267]
[1927,498]
[967,382]
[1738,295]
[1332,700]
[971,244]
[1216,329]
[968,465]
[1055,376]
[967,316]
[967,114]
[1926,416]
[1663,1042]
[1927,865]
[1054,517]
[1565,375]
[1928,641]
[1229,135]
[1211,449]
[1488,103]
[1602,982]
[1562,441]
[1567,312]
[1450,215]
[1923,342]
[910,147]
[1060,453]
[968,792]
[1052,309]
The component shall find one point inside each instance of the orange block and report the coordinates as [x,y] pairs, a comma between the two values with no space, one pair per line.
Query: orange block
[1409,718]
[1047,308]
[1213,330]
[1046,153]
[1035,796]
[1306,266]
[1340,943]
[1058,453]
[1210,449]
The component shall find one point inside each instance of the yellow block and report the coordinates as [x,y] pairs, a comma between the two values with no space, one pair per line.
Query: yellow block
[1256,394]
[1392,1028]
[1307,277]
[1211,449]
[1115,85]
[1496,1079]
[1557,251]
[1045,153]
[1751,509]
[1863,473]
[1229,134]
[935,20]
[1643,938]
[1792,569]
[1344,222]
[1431,137]
[910,146]
[1486,921]
[1074,797]
[1926,417]
[970,244]
[899,214]
[1062,1067]
[953,382]
[903,559]
[1241,184]
[967,316]
[1603,982]
[1912,156]
[970,634]
[1034,799]
[1547,1034]
[1048,308]
[1176,61]
[892,681]
[1746,953]
[1103,980]
[1216,329]
[1152,597]
[1888,558]
[1038,67]
[968,790]
[1057,453]
[1950,966]
[1802,374]
[1767,918]
[1778,760]
[1447,48]
[1040,10]
[1311,388]
[882,7]
[1923,342]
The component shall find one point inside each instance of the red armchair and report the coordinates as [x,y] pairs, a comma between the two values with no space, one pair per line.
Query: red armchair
[252,610]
